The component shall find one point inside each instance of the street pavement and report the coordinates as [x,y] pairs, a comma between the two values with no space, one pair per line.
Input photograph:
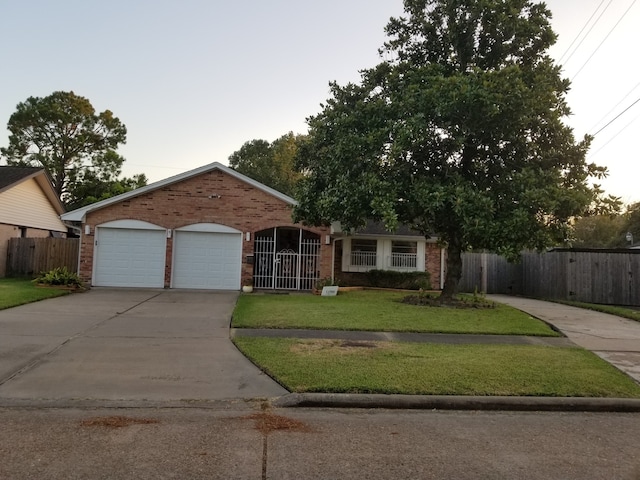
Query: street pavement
[228,443]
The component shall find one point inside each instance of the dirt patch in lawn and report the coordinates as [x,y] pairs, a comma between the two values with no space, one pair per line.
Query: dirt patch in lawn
[336,347]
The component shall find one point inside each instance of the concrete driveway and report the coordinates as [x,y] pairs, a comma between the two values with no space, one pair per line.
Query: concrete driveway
[127,344]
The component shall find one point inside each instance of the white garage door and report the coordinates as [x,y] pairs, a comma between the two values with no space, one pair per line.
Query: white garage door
[208,260]
[129,257]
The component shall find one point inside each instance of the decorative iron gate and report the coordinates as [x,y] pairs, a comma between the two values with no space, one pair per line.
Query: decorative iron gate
[282,264]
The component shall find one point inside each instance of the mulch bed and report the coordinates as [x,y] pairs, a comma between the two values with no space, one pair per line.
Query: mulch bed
[426,300]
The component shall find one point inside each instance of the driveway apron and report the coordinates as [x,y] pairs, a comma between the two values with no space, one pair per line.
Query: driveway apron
[615,339]
[127,344]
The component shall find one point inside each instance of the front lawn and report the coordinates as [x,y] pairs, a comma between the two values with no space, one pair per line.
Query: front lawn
[375,310]
[18,291]
[337,366]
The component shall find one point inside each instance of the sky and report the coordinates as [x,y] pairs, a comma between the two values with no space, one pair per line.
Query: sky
[193,80]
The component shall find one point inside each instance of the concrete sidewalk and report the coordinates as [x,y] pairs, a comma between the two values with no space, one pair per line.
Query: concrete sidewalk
[615,339]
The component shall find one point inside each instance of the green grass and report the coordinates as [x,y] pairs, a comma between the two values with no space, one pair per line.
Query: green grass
[334,366]
[624,312]
[375,310]
[18,291]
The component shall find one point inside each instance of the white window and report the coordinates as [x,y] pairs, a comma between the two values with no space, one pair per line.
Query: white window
[404,255]
[364,253]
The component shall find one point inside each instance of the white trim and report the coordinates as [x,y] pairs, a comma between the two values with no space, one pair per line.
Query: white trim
[207,228]
[79,214]
[131,224]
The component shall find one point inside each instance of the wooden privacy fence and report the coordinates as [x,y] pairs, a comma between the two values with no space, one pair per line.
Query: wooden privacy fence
[608,277]
[30,256]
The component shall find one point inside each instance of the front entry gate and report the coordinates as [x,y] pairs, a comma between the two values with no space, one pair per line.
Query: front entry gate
[286,259]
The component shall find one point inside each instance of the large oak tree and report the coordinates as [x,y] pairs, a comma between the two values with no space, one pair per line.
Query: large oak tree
[77,146]
[459,133]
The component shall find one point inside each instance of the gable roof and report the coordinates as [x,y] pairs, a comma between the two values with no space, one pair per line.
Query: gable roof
[79,214]
[11,176]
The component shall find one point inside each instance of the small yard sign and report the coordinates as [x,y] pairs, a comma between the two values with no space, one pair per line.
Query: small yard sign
[331,291]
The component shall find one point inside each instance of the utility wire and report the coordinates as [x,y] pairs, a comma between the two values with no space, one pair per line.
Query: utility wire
[616,117]
[604,40]
[612,138]
[614,107]
[582,30]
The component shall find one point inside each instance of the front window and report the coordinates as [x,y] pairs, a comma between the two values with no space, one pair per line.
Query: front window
[404,254]
[364,253]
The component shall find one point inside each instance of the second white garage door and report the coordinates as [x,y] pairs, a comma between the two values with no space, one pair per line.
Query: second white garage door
[207,260]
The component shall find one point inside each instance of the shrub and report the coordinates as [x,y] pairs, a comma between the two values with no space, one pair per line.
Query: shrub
[325,282]
[59,276]
[394,279]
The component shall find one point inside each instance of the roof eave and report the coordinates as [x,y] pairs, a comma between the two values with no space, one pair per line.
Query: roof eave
[79,214]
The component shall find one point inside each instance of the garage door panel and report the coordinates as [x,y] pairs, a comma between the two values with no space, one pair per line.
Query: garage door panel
[207,260]
[130,258]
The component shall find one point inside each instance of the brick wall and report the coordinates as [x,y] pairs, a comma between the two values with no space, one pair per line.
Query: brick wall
[211,197]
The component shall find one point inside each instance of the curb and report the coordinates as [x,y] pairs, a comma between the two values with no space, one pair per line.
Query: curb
[445,402]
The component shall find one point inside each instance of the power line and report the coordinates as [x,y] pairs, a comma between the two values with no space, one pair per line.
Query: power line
[604,40]
[613,138]
[582,30]
[615,106]
[616,117]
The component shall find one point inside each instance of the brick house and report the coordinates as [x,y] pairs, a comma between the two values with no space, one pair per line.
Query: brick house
[209,228]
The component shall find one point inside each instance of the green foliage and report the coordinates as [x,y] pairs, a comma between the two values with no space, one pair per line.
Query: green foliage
[93,186]
[394,279]
[269,163]
[59,276]
[77,146]
[460,134]
[607,231]
[598,231]
[325,282]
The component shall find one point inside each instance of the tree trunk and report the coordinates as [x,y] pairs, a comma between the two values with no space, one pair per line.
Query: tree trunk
[454,271]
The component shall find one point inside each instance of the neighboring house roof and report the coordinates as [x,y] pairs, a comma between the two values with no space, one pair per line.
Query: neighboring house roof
[27,198]
[79,214]
[377,229]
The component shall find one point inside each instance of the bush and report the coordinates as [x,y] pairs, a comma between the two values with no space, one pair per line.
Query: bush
[59,276]
[394,279]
